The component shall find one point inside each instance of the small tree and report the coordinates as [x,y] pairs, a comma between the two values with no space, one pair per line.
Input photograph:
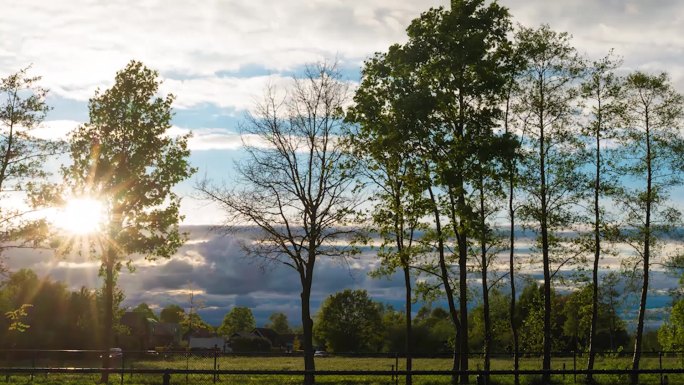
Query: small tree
[349,321]
[22,159]
[238,319]
[172,314]
[125,158]
[278,322]
[295,186]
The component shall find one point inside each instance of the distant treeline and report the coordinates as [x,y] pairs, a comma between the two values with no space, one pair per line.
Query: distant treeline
[348,321]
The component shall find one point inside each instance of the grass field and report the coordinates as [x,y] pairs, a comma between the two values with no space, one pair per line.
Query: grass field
[343,363]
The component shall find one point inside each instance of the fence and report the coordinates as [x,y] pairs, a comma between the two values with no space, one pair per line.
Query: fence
[210,367]
[179,376]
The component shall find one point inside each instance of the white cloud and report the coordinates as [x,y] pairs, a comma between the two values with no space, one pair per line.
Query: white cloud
[55,129]
[225,92]
[78,45]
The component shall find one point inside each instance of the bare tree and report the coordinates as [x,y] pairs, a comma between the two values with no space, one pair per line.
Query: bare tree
[294,184]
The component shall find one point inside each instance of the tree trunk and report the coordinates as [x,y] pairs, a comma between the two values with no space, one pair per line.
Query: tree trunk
[646,256]
[448,290]
[597,252]
[485,289]
[543,217]
[108,322]
[409,339]
[511,264]
[307,329]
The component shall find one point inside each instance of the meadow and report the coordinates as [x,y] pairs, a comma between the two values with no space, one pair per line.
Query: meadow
[195,362]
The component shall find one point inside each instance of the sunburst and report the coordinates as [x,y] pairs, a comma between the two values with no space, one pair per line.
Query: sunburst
[81,216]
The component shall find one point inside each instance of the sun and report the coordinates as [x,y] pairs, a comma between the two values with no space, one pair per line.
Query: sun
[81,216]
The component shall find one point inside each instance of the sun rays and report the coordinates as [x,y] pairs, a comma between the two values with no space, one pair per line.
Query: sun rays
[81,216]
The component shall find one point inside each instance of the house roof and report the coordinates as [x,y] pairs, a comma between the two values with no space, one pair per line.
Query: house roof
[267,333]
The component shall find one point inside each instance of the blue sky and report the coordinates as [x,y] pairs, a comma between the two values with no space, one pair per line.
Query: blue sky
[217,56]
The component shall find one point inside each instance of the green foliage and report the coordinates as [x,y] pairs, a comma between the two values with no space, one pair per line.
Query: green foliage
[671,333]
[16,316]
[50,316]
[125,158]
[349,321]
[238,319]
[279,323]
[145,309]
[22,160]
[194,322]
[172,314]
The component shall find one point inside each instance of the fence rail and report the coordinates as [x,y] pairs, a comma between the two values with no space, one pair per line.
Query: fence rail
[167,374]
[208,368]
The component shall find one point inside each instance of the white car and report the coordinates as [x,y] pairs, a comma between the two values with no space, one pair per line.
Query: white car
[320,353]
[115,353]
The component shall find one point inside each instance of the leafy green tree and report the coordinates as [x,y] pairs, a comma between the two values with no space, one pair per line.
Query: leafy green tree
[278,322]
[671,333]
[238,319]
[172,314]
[385,107]
[652,147]
[194,322]
[296,186]
[602,89]
[145,309]
[22,162]
[125,158]
[349,321]
[424,101]
[552,152]
[458,55]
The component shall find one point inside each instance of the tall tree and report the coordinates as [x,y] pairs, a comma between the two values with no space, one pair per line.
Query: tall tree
[295,187]
[458,56]
[547,103]
[238,319]
[387,107]
[23,176]
[124,158]
[601,90]
[652,148]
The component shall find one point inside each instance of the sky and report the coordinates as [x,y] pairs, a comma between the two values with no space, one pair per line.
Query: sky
[217,57]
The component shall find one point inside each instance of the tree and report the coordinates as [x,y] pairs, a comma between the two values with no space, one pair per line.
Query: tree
[295,186]
[278,322]
[194,322]
[125,158]
[671,333]
[238,319]
[602,89]
[23,176]
[459,57]
[386,108]
[172,314]
[145,309]
[546,103]
[349,321]
[652,148]
[421,104]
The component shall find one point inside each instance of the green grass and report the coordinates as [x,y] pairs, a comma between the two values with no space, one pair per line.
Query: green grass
[345,363]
